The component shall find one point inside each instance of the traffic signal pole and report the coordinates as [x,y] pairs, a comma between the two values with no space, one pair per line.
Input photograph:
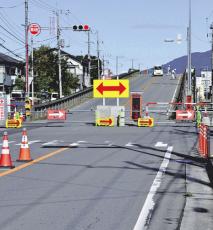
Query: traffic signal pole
[89,61]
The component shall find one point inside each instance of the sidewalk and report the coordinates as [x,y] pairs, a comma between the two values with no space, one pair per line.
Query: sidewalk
[198,212]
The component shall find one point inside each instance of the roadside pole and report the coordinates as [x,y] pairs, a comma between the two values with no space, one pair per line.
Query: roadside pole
[117,77]
[211,27]
[104,100]
[32,71]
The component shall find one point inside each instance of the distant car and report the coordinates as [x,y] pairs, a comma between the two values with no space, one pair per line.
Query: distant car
[157,71]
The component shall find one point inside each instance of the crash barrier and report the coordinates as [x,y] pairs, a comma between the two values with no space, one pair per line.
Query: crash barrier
[164,107]
[39,111]
[204,140]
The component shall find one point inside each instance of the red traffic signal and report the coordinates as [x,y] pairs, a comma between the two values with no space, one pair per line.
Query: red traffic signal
[81,28]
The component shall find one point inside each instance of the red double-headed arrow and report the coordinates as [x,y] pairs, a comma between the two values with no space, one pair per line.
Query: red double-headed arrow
[120,88]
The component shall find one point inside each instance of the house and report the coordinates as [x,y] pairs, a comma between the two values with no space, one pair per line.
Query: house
[10,69]
[77,68]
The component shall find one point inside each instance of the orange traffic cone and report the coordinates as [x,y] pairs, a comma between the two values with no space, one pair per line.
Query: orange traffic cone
[5,158]
[24,155]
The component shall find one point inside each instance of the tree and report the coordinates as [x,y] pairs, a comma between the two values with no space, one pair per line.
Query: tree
[46,68]
[19,84]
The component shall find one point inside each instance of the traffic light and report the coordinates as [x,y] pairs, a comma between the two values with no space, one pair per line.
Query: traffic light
[136,106]
[28,107]
[81,28]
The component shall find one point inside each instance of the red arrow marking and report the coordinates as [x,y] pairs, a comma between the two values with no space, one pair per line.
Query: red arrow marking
[106,121]
[101,88]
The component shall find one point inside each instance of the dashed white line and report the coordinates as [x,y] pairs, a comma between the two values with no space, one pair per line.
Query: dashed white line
[148,207]
[51,142]
[31,142]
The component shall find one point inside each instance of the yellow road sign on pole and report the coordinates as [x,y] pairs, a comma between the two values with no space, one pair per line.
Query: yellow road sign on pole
[111,88]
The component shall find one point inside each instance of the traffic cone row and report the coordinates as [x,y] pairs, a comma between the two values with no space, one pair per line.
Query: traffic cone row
[24,154]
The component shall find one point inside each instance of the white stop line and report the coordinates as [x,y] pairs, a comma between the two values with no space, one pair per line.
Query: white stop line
[148,207]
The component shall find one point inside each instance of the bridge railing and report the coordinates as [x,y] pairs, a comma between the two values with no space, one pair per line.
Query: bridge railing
[40,111]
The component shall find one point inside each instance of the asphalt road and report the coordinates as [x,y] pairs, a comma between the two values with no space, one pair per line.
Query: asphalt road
[87,177]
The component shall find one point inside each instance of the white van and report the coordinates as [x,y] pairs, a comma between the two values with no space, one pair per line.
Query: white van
[157,71]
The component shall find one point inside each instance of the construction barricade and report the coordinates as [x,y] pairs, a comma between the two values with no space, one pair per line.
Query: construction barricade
[204,141]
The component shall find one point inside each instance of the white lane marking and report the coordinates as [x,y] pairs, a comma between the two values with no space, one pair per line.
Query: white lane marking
[31,142]
[160,144]
[148,207]
[129,144]
[82,142]
[51,142]
[9,142]
[74,144]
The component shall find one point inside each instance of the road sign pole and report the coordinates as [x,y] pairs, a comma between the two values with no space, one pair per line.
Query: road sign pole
[117,76]
[32,72]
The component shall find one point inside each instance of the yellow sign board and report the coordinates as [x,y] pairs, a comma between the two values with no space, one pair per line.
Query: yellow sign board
[13,123]
[109,121]
[146,122]
[111,88]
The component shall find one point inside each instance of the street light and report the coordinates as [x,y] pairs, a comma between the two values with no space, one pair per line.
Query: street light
[211,27]
[189,51]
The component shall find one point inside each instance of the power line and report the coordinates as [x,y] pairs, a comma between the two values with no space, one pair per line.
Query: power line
[10,51]
[9,25]
[11,34]
[10,7]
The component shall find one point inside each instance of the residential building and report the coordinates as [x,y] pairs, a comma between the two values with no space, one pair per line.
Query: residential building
[10,69]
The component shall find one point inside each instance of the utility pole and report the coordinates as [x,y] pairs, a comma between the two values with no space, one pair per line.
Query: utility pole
[98,54]
[211,27]
[59,53]
[132,63]
[89,61]
[26,49]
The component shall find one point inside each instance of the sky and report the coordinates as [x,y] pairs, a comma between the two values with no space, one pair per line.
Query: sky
[135,31]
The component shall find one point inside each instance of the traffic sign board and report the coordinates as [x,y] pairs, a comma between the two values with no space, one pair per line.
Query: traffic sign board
[188,115]
[109,121]
[53,114]
[34,29]
[111,88]
[13,123]
[146,122]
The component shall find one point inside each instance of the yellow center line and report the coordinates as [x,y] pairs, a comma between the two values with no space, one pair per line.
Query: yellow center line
[18,168]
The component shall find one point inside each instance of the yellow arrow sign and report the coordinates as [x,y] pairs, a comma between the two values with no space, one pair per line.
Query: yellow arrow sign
[111,88]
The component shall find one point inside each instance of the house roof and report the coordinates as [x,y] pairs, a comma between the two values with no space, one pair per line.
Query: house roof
[70,56]
[5,59]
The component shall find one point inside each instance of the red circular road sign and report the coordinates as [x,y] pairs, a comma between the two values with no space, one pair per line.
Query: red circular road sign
[34,29]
